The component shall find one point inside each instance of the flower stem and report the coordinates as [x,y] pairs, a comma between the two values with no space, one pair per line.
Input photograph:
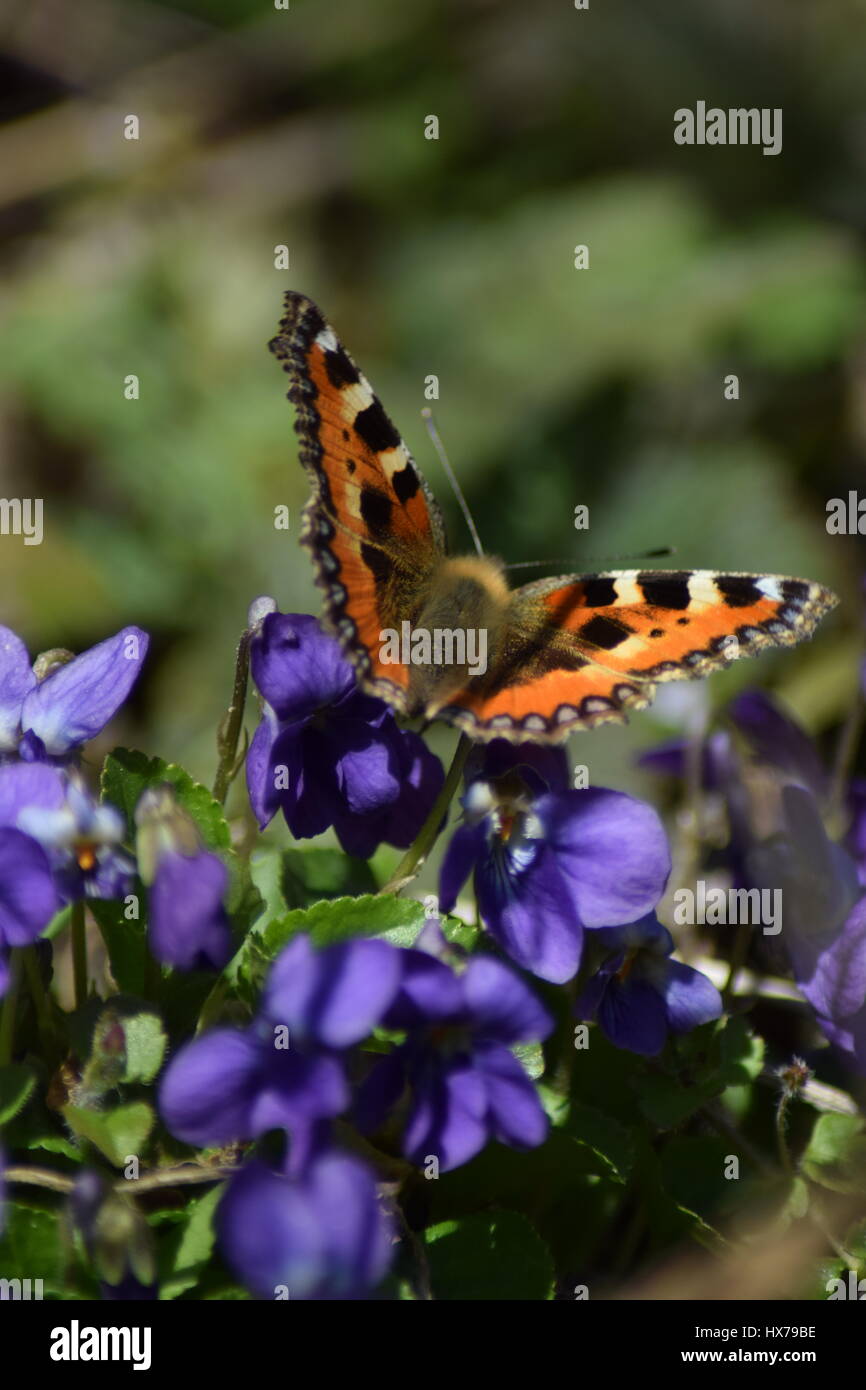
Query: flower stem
[781,1134]
[39,1177]
[10,1004]
[79,953]
[162,1177]
[41,1001]
[230,724]
[417,852]
[740,951]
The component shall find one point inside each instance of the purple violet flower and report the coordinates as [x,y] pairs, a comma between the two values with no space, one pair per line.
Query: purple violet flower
[855,840]
[29,895]
[188,926]
[830,971]
[465,1085]
[823,922]
[283,1071]
[638,994]
[52,716]
[326,753]
[82,838]
[778,842]
[320,1234]
[549,864]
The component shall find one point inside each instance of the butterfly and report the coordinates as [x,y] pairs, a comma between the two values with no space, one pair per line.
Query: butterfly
[558,654]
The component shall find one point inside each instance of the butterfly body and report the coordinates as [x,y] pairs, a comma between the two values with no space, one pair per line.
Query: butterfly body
[466,595]
[445,637]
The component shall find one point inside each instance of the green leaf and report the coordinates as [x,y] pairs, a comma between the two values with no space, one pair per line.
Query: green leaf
[393,919]
[671,1219]
[127,773]
[557,1187]
[145,1045]
[342,919]
[244,902]
[707,1061]
[16,1087]
[693,1170]
[603,1136]
[742,1053]
[55,1144]
[836,1153]
[492,1255]
[37,1127]
[190,1246]
[667,1103]
[306,876]
[603,1075]
[125,941]
[117,1133]
[35,1245]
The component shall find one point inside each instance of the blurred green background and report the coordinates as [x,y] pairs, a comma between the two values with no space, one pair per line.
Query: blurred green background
[455,257]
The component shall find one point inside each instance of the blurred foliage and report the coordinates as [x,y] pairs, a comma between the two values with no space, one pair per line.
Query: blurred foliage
[451,256]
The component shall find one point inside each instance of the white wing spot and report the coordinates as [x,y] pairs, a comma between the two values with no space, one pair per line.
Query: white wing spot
[769,586]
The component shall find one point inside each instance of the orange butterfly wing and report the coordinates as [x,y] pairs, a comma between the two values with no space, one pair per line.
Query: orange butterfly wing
[572,652]
[372,524]
[583,650]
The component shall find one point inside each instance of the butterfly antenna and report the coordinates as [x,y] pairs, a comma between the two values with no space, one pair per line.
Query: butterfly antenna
[539,564]
[595,559]
[427,413]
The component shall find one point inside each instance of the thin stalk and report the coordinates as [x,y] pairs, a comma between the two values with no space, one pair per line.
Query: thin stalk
[740,951]
[781,1134]
[426,838]
[79,953]
[39,1177]
[162,1177]
[41,1001]
[230,726]
[174,1177]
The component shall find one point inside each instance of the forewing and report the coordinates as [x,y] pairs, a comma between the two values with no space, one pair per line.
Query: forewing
[372,525]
